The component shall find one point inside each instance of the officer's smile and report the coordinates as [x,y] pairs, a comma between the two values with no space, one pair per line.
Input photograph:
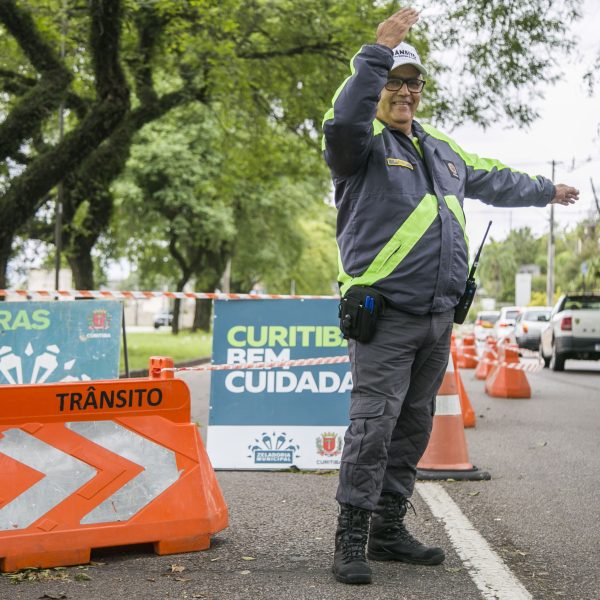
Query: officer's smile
[397,109]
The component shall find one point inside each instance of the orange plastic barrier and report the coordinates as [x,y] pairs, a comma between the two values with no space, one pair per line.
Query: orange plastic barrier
[504,382]
[467,353]
[487,360]
[102,463]
[466,407]
[446,455]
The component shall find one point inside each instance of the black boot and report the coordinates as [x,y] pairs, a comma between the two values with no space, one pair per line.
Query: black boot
[349,562]
[389,538]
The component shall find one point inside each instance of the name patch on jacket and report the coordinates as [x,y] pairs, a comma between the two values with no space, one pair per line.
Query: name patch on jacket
[452,168]
[398,162]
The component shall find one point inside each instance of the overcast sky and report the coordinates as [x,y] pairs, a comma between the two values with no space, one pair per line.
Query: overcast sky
[567,132]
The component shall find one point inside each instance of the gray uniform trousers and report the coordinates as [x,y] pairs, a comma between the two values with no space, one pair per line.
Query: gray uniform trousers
[395,380]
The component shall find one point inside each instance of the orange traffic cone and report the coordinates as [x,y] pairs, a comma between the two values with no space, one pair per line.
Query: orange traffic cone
[506,380]
[487,360]
[467,354]
[446,455]
[465,404]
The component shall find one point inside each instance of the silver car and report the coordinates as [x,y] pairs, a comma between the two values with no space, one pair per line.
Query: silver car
[529,326]
[505,325]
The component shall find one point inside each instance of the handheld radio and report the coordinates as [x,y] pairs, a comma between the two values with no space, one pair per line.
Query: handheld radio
[462,308]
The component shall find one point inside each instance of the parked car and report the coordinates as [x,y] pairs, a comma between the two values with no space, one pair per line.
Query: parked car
[161,319]
[574,331]
[484,324]
[505,325]
[529,326]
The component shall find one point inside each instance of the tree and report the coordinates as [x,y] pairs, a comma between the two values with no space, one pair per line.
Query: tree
[497,270]
[34,167]
[218,200]
[281,60]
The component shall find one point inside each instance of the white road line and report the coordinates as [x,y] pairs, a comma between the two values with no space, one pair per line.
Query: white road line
[493,578]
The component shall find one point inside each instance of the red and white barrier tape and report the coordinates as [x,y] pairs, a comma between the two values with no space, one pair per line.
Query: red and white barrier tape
[141,295]
[300,362]
[328,360]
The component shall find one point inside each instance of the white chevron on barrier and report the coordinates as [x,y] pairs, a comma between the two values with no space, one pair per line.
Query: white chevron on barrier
[63,474]
[160,469]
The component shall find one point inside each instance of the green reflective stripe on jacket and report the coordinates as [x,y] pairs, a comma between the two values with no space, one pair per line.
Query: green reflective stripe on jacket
[402,242]
[457,210]
[329,114]
[343,277]
[471,160]
[378,127]
[415,142]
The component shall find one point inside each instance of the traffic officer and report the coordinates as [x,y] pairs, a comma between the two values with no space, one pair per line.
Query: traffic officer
[399,190]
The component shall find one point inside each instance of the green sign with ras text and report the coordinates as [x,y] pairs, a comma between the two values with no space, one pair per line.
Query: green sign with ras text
[42,342]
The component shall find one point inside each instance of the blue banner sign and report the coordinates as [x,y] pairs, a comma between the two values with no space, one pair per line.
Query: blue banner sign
[43,342]
[275,418]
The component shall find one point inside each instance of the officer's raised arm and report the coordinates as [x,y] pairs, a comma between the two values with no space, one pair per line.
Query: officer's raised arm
[348,125]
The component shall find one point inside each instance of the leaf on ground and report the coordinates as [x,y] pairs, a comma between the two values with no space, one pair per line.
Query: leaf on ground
[474,493]
[538,445]
[182,578]
[82,577]
[57,574]
[453,569]
[246,572]
[177,568]
[248,558]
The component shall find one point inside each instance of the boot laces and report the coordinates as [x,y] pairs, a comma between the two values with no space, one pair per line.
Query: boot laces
[353,539]
[395,521]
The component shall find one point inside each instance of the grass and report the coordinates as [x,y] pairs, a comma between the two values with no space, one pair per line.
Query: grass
[181,348]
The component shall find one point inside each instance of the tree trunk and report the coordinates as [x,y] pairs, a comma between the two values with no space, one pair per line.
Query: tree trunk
[82,268]
[5,254]
[202,314]
[177,304]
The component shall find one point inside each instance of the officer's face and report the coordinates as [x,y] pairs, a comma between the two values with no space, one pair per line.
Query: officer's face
[397,109]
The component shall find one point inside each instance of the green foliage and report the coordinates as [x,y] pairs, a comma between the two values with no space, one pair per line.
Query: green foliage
[200,188]
[502,50]
[234,171]
[576,262]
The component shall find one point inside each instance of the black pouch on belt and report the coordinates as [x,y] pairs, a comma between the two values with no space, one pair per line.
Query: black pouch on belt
[359,308]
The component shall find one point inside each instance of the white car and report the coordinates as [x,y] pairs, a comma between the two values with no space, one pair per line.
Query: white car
[484,324]
[574,331]
[505,325]
[530,324]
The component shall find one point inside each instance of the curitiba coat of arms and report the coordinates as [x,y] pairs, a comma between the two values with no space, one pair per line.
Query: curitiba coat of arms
[329,444]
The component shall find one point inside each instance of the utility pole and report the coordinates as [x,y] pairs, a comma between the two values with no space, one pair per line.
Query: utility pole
[550,269]
[60,191]
[595,196]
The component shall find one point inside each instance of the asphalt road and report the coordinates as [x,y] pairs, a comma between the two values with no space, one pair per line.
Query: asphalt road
[540,513]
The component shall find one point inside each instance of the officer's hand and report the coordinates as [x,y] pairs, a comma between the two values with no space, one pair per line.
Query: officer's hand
[565,195]
[392,31]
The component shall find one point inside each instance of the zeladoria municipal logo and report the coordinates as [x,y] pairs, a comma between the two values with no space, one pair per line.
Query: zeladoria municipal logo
[273,449]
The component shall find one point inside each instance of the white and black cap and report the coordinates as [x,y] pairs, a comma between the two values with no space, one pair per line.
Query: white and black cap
[405,54]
